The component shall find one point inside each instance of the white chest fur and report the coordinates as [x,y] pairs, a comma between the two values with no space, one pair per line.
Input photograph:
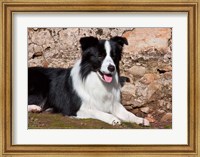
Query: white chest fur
[94,92]
[102,95]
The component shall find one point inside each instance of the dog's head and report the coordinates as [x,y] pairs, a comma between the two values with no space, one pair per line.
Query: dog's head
[101,56]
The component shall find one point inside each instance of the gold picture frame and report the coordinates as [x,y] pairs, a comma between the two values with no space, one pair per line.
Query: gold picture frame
[8,7]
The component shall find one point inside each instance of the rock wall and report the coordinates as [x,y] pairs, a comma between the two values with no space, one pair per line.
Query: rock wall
[146,65]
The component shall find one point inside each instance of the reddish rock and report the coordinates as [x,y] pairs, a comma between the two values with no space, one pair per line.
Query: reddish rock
[42,37]
[151,89]
[45,64]
[167,117]
[167,68]
[161,103]
[137,70]
[141,39]
[150,118]
[149,78]
[168,75]
[169,105]
[161,111]
[127,99]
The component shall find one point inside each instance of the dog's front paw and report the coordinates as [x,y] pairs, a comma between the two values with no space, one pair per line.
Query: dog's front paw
[145,122]
[34,108]
[115,121]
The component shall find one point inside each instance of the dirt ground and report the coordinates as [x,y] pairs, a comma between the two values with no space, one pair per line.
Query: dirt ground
[57,121]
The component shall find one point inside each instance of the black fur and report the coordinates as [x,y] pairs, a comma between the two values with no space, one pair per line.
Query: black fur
[52,88]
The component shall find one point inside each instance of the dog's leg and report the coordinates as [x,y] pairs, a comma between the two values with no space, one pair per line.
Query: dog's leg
[120,112]
[34,108]
[96,114]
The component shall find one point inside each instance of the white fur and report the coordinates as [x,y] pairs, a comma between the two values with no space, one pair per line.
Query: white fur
[101,100]
[34,108]
[108,60]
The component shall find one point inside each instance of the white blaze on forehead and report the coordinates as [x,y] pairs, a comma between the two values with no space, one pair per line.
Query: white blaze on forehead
[107,60]
[107,48]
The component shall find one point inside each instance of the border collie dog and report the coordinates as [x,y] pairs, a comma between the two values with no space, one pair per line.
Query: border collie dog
[90,89]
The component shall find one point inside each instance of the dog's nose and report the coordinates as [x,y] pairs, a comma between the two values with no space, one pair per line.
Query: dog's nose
[111,68]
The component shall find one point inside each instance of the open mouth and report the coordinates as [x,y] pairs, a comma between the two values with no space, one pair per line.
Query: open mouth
[105,77]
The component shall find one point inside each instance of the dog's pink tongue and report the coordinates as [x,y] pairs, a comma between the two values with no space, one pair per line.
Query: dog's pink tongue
[107,78]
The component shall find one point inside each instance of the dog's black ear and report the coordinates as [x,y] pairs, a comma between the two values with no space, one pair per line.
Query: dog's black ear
[87,42]
[120,40]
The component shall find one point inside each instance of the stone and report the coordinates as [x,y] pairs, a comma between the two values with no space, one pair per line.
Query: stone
[167,68]
[42,37]
[37,48]
[152,92]
[137,70]
[128,88]
[140,39]
[137,103]
[167,117]
[169,105]
[31,51]
[148,78]
[150,118]
[167,57]
[161,103]
[161,111]
[128,107]
[45,64]
[128,94]
[151,89]
[168,75]
[145,109]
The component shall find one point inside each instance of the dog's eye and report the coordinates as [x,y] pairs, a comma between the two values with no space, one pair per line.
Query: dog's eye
[100,56]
